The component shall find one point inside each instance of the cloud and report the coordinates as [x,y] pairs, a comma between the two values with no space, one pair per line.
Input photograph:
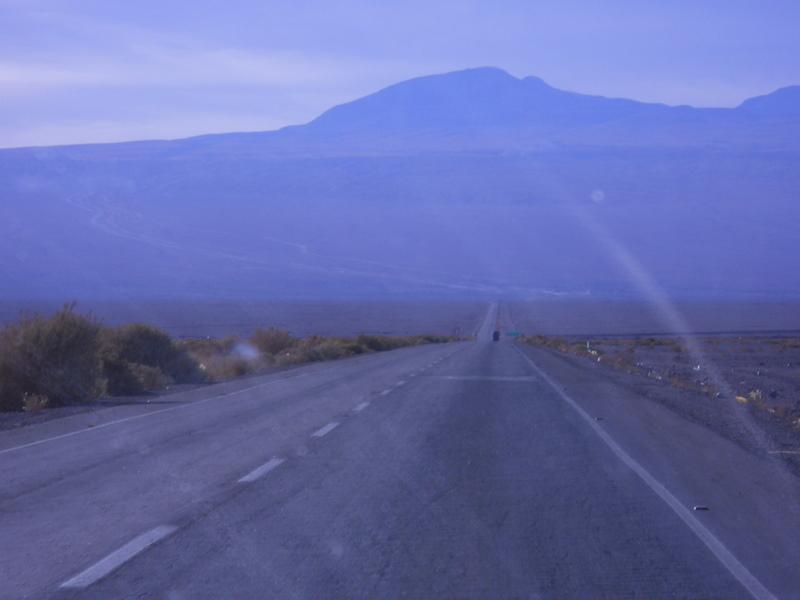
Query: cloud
[169,67]
[84,51]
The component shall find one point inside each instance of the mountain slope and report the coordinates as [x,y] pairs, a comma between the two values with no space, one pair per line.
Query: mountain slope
[473,100]
[472,182]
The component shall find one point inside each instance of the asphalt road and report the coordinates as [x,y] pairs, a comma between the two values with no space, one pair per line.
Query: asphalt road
[467,470]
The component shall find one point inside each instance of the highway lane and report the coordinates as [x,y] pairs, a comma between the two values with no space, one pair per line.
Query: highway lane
[442,471]
[85,490]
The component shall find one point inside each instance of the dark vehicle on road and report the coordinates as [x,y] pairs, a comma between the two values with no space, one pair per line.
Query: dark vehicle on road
[496,336]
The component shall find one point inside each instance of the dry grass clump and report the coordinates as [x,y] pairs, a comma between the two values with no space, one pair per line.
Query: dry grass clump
[316,348]
[234,357]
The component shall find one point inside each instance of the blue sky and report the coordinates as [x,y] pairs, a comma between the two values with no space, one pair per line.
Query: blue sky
[108,70]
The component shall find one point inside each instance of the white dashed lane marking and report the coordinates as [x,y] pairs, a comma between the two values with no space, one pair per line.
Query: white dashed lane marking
[117,558]
[262,470]
[361,406]
[325,430]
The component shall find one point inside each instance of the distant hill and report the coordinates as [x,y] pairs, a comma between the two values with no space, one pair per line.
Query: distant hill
[473,182]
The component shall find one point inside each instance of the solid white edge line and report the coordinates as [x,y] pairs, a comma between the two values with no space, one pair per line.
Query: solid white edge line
[262,470]
[728,560]
[157,412]
[362,406]
[117,558]
[162,411]
[325,430]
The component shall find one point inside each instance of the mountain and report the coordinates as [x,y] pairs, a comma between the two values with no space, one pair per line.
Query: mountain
[472,182]
[474,100]
[781,103]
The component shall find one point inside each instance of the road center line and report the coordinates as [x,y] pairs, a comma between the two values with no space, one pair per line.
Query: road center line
[259,472]
[728,560]
[361,406]
[325,430]
[118,557]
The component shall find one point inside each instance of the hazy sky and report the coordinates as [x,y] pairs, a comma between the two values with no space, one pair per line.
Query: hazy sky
[107,70]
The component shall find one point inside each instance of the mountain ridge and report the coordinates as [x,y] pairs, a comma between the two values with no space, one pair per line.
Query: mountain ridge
[475,100]
[422,188]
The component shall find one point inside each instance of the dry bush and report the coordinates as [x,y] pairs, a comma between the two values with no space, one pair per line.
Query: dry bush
[53,357]
[316,348]
[209,346]
[434,339]
[150,378]
[137,358]
[220,359]
[71,358]
[379,343]
[272,341]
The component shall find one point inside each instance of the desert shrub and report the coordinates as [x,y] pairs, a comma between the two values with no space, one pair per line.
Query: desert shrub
[220,359]
[380,343]
[353,348]
[203,347]
[432,339]
[150,378]
[325,351]
[50,357]
[71,358]
[137,358]
[272,341]
[221,367]
[553,342]
[315,349]
[119,378]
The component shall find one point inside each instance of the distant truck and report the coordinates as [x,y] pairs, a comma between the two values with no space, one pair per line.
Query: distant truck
[496,336]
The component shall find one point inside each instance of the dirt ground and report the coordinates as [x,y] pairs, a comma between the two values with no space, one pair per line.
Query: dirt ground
[746,388]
